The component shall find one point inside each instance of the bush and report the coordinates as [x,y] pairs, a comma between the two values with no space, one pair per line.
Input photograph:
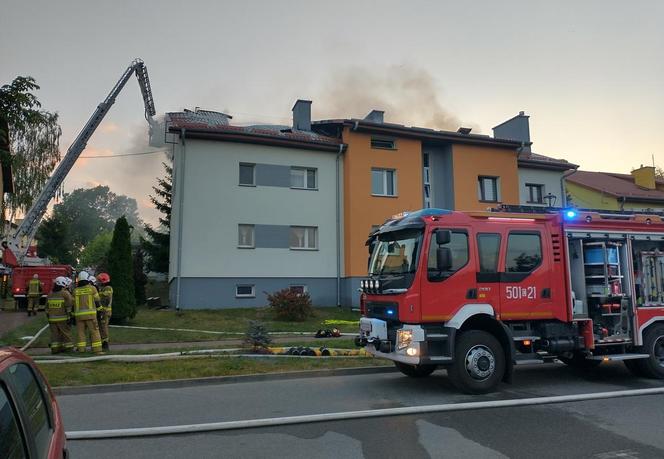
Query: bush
[257,337]
[290,306]
[121,270]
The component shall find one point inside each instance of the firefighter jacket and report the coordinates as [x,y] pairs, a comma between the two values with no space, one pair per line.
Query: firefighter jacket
[86,299]
[34,287]
[58,306]
[106,295]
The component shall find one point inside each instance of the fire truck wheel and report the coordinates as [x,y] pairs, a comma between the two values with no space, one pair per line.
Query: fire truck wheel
[479,363]
[653,344]
[415,371]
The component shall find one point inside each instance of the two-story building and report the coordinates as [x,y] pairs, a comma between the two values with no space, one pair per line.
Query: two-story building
[640,190]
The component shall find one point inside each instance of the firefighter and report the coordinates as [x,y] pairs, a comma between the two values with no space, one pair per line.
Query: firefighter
[105,310]
[58,310]
[86,302]
[34,293]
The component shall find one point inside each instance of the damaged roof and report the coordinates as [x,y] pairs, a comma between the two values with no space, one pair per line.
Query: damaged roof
[215,126]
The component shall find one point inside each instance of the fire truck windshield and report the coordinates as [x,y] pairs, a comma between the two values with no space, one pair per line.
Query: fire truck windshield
[396,253]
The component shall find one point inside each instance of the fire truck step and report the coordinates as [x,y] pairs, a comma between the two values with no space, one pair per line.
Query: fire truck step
[528,359]
[618,357]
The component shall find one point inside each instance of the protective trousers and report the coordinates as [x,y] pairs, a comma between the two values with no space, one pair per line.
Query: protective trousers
[104,319]
[60,337]
[83,324]
[33,303]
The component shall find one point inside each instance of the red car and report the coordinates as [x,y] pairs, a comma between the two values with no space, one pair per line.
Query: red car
[30,420]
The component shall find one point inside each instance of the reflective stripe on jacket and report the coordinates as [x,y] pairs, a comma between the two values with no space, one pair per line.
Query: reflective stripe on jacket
[34,287]
[106,295]
[86,299]
[58,306]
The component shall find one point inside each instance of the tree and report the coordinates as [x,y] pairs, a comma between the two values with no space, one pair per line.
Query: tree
[140,279]
[55,240]
[157,242]
[33,136]
[95,254]
[87,212]
[121,270]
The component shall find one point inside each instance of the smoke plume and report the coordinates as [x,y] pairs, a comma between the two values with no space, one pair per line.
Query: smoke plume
[408,96]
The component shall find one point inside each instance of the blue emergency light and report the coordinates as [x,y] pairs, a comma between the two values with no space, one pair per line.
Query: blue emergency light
[569,214]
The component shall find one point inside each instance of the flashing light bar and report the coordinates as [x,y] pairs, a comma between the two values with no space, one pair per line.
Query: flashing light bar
[511,219]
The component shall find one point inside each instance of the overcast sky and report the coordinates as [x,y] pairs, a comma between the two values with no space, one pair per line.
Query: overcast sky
[589,73]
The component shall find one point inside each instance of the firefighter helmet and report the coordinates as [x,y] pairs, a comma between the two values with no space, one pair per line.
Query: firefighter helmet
[104,278]
[61,281]
[83,276]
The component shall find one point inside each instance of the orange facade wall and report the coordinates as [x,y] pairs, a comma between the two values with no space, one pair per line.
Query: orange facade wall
[469,162]
[361,209]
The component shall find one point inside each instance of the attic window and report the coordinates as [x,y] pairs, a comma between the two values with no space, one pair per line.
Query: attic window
[386,144]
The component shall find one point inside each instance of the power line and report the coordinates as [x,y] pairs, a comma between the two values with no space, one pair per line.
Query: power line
[125,154]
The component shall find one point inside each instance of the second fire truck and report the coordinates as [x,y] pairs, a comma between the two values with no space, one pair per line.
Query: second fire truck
[480,292]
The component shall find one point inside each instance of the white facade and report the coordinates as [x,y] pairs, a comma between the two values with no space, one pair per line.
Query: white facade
[214,204]
[551,181]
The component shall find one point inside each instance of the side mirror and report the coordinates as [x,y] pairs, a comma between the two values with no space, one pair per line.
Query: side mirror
[443,259]
[443,237]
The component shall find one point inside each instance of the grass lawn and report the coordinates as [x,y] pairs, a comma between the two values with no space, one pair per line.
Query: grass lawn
[73,374]
[231,320]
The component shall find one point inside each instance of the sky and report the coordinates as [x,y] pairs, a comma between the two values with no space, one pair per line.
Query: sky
[589,73]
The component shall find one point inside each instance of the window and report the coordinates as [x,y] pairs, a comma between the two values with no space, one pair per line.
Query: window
[30,395]
[303,237]
[535,193]
[458,245]
[298,289]
[488,188]
[524,252]
[301,177]
[245,291]
[378,142]
[383,182]
[247,174]
[245,236]
[488,246]
[12,444]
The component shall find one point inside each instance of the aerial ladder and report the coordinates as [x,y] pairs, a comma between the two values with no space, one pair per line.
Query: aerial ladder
[16,247]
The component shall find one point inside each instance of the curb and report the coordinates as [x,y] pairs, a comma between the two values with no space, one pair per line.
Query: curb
[176,383]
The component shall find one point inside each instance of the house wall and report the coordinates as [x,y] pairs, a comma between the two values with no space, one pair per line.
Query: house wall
[361,209]
[470,162]
[214,204]
[550,179]
[587,198]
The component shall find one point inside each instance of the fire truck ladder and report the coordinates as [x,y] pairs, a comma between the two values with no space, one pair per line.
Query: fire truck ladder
[610,214]
[20,241]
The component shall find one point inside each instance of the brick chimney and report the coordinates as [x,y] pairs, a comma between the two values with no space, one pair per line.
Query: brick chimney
[644,177]
[302,115]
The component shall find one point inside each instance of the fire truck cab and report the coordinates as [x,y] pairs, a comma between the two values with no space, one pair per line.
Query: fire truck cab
[480,292]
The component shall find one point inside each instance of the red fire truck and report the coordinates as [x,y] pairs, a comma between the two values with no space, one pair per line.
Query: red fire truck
[480,292]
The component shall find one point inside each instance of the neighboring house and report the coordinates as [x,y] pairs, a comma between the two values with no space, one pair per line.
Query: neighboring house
[390,168]
[541,178]
[253,210]
[640,190]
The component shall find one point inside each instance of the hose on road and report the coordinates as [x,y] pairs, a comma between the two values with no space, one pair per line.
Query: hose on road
[344,416]
[212,332]
[34,338]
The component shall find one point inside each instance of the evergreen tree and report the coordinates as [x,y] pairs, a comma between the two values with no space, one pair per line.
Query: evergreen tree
[140,279]
[157,241]
[121,270]
[257,337]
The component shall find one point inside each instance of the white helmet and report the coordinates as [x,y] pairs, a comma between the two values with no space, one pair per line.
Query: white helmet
[69,281]
[83,276]
[61,281]
[92,279]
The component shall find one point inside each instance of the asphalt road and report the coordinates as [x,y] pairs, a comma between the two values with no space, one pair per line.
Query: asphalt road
[613,428]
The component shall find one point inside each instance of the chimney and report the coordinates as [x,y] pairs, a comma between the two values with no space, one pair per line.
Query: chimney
[302,115]
[644,177]
[517,128]
[375,116]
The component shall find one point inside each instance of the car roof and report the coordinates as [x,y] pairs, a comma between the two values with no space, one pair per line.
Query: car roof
[7,352]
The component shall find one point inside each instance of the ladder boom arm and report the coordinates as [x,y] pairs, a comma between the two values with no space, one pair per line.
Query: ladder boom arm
[28,227]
